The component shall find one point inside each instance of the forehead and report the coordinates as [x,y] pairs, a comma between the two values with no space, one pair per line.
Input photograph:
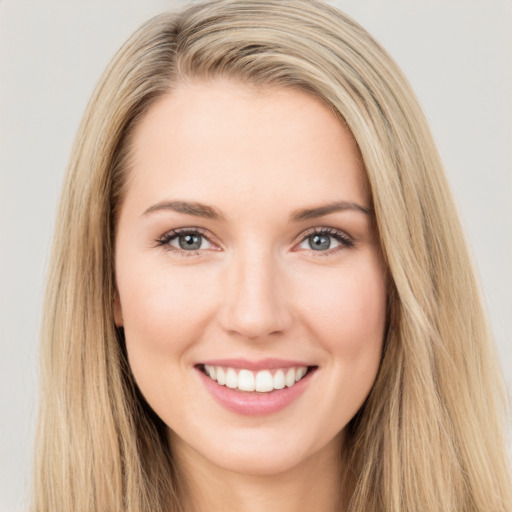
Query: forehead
[221,140]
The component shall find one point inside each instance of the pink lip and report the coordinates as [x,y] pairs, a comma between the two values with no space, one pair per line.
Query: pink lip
[263,364]
[253,403]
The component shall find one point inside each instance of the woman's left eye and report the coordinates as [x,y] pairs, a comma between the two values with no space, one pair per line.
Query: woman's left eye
[325,240]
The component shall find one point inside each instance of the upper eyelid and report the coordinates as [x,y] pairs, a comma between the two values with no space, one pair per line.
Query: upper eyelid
[323,229]
[185,231]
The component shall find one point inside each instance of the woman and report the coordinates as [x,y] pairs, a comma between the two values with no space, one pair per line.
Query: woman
[260,295]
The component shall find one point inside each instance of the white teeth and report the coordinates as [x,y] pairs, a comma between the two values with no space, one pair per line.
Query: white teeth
[290,377]
[211,371]
[262,381]
[221,376]
[279,382]
[300,373]
[246,381]
[231,379]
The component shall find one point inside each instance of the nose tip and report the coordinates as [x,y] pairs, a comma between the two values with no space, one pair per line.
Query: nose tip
[254,303]
[252,319]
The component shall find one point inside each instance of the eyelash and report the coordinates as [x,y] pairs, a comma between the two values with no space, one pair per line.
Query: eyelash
[339,236]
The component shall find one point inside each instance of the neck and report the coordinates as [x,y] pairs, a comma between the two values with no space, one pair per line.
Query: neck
[314,484]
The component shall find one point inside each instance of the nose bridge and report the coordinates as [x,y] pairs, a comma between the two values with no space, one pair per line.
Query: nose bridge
[254,304]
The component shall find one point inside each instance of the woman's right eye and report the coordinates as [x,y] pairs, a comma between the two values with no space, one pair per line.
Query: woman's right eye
[185,241]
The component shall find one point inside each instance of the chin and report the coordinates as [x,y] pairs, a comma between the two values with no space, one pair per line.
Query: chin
[263,452]
[259,462]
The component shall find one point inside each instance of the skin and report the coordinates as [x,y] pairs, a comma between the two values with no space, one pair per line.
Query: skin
[255,288]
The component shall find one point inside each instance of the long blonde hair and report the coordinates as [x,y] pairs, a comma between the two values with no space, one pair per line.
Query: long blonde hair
[431,435]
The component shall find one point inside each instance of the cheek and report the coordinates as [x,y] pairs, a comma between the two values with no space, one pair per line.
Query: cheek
[349,303]
[160,300]
[346,313]
[164,313]
[347,317]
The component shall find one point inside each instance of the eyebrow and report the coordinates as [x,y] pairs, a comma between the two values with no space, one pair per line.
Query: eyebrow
[190,208]
[209,212]
[320,211]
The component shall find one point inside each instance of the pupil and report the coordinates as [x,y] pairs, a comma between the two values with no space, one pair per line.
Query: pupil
[190,242]
[320,242]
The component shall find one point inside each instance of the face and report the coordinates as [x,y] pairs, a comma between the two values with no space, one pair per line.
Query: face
[251,284]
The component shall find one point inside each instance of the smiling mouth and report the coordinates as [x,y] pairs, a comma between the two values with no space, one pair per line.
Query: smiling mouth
[263,381]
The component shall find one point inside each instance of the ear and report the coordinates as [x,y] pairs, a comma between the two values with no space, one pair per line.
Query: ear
[116,308]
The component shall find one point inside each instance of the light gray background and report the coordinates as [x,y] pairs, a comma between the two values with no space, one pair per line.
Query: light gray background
[457,55]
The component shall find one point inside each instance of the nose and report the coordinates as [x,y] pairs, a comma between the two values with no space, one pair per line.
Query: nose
[254,303]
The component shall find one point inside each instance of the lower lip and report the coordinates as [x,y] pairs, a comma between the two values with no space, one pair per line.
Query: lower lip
[253,403]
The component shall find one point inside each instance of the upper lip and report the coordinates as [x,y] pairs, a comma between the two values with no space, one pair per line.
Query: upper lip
[261,364]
